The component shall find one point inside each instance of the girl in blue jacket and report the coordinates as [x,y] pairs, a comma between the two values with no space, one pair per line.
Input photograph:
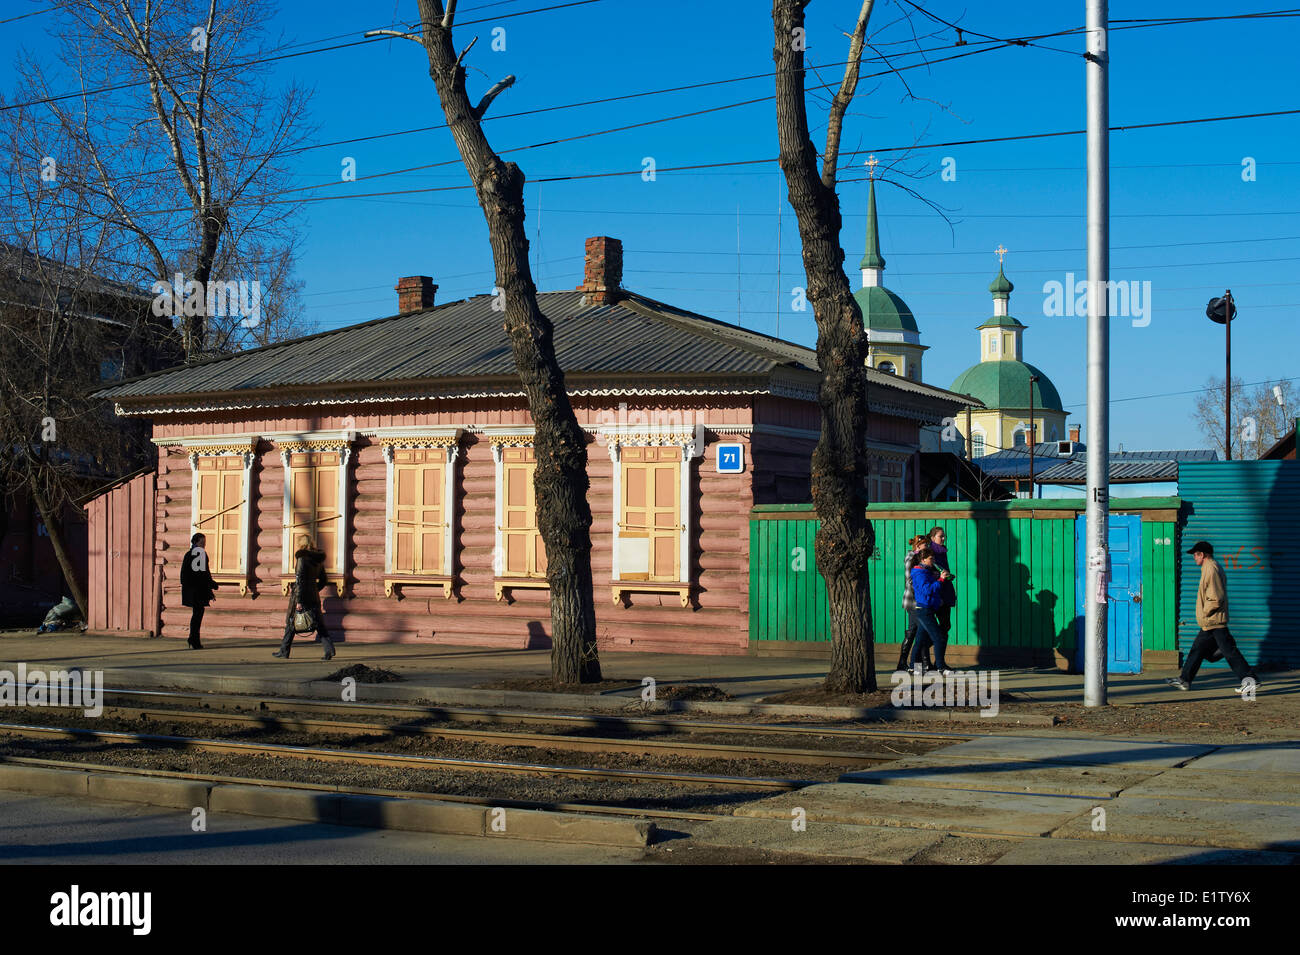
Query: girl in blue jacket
[927,590]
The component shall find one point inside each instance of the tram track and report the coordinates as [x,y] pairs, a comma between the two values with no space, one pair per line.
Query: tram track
[629,724]
[582,744]
[629,765]
[367,757]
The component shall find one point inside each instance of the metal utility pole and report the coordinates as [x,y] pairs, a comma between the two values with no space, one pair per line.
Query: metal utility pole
[1227,373]
[1033,438]
[1098,508]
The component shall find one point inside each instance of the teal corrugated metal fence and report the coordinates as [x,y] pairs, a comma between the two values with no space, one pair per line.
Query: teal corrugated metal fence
[1015,578]
[1250,512]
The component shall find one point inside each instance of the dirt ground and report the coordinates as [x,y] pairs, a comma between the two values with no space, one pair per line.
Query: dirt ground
[1180,718]
[544,685]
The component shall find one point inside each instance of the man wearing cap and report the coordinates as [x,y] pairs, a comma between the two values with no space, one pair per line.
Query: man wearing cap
[1212,618]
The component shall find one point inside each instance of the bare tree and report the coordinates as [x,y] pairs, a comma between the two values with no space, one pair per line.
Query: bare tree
[1258,420]
[182,151]
[61,330]
[560,481]
[845,538]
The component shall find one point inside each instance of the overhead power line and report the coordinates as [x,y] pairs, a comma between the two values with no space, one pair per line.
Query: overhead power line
[257,61]
[1194,391]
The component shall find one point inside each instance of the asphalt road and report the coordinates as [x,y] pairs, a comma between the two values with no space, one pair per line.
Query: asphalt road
[53,830]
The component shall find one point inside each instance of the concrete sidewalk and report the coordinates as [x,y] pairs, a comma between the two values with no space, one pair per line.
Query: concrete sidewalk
[744,678]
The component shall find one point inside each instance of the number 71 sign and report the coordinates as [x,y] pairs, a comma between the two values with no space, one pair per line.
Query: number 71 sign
[731,458]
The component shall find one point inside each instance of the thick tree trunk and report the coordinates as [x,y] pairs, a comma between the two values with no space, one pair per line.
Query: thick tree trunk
[845,538]
[196,326]
[560,444]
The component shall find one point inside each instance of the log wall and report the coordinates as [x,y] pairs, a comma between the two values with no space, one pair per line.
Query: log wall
[716,622]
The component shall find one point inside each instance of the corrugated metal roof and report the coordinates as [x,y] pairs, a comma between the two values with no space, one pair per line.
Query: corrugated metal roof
[1076,472]
[1014,462]
[466,339]
[1126,466]
[1250,512]
[1189,454]
[877,377]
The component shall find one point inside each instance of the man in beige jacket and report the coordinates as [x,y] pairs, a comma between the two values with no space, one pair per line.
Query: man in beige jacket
[1212,618]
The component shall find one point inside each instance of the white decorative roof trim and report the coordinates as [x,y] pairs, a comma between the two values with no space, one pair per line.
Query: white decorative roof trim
[755,386]
[212,443]
[509,430]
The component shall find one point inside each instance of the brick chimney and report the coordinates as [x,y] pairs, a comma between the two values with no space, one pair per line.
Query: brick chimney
[415,293]
[603,273]
[1074,433]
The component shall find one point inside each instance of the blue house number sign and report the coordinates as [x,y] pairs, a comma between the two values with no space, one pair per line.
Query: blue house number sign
[731,459]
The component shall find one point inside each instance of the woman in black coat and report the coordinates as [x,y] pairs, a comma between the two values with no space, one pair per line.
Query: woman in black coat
[309,580]
[197,586]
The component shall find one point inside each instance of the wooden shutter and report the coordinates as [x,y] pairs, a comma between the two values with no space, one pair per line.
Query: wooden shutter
[652,509]
[314,502]
[218,509]
[524,553]
[419,513]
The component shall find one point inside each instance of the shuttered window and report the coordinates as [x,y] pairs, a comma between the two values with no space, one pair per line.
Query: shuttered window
[314,506]
[419,511]
[650,525]
[523,554]
[218,509]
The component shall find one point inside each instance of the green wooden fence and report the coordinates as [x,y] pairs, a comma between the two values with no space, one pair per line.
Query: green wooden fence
[1014,562]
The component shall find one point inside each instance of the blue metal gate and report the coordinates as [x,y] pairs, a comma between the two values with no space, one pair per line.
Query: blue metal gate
[1124,620]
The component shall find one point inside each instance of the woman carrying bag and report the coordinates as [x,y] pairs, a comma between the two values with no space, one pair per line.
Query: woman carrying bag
[304,599]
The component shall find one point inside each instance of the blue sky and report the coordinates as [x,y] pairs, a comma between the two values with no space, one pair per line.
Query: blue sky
[1183,218]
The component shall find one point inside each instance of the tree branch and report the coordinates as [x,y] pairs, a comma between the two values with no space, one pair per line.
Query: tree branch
[463,53]
[500,87]
[397,33]
[835,124]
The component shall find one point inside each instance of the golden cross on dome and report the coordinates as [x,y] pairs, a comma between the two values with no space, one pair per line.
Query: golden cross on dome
[871,164]
[1001,252]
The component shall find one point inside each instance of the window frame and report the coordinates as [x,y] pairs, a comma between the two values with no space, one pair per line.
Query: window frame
[246,451]
[500,567]
[447,442]
[341,445]
[691,442]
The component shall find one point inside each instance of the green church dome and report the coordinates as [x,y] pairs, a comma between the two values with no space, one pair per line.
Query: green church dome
[882,310]
[1005,384]
[1001,286]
